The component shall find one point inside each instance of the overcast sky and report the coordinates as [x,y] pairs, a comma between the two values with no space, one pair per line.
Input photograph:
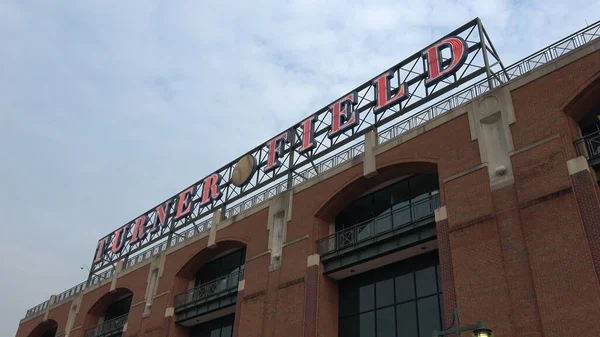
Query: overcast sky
[109,107]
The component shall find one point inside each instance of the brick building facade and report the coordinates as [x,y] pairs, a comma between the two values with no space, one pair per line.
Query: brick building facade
[491,208]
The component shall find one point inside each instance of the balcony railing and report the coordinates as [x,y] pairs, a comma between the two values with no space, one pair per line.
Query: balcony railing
[210,289]
[589,145]
[404,218]
[108,328]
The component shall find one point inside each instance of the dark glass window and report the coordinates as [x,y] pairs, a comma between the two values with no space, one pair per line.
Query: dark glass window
[366,298]
[428,312]
[367,324]
[50,332]
[118,308]
[403,299]
[220,327]
[348,326]
[222,266]
[426,281]
[394,206]
[590,123]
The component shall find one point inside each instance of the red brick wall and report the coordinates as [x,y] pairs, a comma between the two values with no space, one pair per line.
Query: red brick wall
[312,292]
[58,313]
[589,208]
[566,287]
[27,327]
[446,271]
[327,310]
[516,263]
[523,258]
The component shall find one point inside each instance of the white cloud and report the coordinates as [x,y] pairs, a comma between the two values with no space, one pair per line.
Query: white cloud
[110,107]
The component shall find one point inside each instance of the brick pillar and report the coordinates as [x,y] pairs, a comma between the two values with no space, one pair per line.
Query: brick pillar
[446,270]
[312,283]
[525,315]
[238,307]
[167,321]
[589,206]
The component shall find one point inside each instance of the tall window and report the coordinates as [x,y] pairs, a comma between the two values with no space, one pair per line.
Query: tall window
[220,327]
[393,206]
[229,264]
[118,308]
[590,124]
[50,332]
[399,300]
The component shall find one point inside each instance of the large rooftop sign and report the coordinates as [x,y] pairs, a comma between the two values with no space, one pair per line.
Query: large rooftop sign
[460,57]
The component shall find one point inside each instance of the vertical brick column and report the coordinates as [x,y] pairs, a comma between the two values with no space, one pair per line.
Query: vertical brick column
[168,321]
[589,206]
[519,279]
[312,283]
[446,270]
[238,308]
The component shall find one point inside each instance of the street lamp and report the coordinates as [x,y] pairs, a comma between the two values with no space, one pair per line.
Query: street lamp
[479,329]
[483,332]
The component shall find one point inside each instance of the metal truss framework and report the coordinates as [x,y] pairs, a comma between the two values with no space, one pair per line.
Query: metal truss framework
[297,166]
[482,72]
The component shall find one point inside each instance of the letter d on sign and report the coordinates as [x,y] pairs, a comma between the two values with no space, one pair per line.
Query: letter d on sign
[433,57]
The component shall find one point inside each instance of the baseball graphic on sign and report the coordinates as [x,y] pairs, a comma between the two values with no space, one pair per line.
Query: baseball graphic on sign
[243,171]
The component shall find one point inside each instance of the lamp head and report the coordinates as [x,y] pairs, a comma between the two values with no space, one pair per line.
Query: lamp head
[482,332]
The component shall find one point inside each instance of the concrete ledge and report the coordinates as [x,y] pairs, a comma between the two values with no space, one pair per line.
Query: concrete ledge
[534,145]
[313,260]
[267,252]
[241,285]
[464,173]
[577,165]
[169,312]
[161,294]
[369,162]
[138,303]
[441,214]
[302,238]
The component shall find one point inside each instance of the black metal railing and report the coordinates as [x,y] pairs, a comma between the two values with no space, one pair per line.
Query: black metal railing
[107,328]
[213,288]
[402,218]
[589,145]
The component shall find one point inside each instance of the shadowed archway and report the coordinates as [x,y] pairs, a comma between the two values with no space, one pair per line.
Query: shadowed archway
[583,99]
[46,328]
[205,290]
[109,314]
[381,247]
[195,263]
[354,189]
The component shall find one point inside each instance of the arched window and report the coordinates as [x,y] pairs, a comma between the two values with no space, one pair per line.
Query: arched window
[590,130]
[212,276]
[400,204]
[229,263]
[50,332]
[109,315]
[118,308]
[46,328]
[393,295]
